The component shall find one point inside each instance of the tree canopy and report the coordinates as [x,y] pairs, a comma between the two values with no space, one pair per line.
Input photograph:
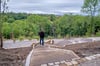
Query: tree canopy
[53,25]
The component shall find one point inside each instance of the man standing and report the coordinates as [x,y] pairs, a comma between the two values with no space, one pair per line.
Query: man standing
[41,34]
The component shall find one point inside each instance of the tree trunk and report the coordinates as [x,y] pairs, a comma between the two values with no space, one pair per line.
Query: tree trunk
[1,41]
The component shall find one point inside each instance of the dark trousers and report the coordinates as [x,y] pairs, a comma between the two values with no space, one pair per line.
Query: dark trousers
[41,41]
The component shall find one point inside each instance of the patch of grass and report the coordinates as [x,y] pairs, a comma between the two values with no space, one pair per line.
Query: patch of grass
[21,38]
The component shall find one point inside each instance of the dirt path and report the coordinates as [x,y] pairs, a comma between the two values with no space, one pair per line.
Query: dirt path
[85,49]
[14,57]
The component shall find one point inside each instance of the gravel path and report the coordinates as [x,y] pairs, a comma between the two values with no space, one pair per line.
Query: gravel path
[8,44]
[59,42]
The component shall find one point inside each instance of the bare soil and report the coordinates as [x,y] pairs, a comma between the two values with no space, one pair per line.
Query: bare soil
[14,57]
[84,49]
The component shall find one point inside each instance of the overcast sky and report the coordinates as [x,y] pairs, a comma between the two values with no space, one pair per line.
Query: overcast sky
[46,6]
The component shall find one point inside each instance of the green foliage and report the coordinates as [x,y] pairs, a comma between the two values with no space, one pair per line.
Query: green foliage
[59,36]
[98,34]
[6,30]
[88,33]
[52,17]
[30,38]
[68,25]
[50,37]
[91,7]
[21,38]
[36,37]
[67,36]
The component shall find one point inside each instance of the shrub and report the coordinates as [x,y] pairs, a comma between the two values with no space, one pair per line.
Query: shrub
[21,38]
[50,37]
[36,37]
[29,38]
[98,34]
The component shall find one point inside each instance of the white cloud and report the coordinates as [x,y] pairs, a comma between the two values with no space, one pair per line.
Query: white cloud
[45,6]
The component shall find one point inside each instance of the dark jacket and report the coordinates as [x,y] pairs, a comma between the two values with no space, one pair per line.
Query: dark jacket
[41,34]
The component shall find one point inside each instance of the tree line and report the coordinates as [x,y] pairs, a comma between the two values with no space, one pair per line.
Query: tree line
[68,25]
